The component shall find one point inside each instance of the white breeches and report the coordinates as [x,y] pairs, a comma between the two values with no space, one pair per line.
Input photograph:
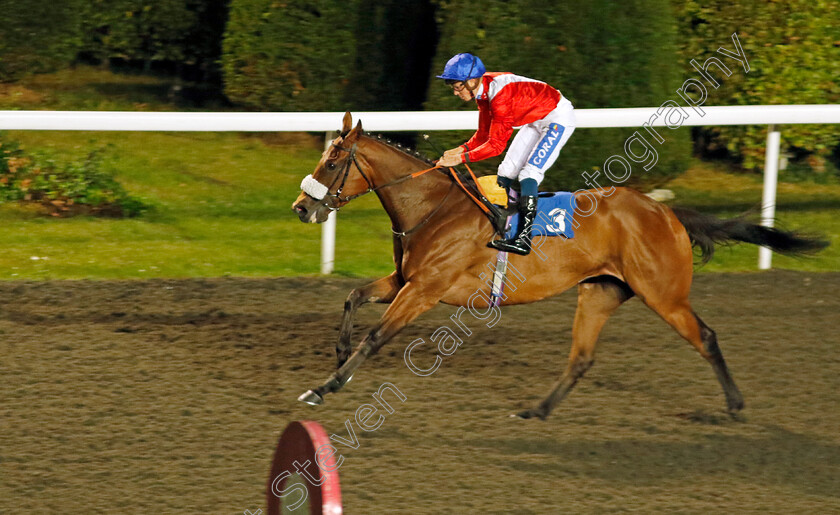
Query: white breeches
[537,145]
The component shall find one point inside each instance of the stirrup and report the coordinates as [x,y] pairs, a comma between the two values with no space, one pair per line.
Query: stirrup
[514,246]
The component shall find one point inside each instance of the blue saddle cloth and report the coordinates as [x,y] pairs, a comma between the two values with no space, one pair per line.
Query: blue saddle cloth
[555,213]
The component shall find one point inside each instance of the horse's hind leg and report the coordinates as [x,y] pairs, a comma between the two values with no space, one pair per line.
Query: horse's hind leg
[382,290]
[597,300]
[686,322]
[734,399]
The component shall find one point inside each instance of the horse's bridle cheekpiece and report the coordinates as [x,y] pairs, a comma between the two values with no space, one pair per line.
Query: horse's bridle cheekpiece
[320,192]
[315,189]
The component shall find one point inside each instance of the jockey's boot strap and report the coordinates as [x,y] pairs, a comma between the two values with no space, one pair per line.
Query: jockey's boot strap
[521,243]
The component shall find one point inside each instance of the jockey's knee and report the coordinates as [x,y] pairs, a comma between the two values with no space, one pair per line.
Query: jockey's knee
[508,170]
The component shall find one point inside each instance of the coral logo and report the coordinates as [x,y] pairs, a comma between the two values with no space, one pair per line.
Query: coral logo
[547,145]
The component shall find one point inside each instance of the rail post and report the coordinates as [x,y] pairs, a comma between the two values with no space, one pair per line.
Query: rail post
[328,227]
[768,197]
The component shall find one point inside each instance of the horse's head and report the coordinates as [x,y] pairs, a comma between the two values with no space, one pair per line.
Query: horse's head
[336,179]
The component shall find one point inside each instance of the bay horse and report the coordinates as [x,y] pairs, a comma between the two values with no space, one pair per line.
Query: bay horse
[630,245]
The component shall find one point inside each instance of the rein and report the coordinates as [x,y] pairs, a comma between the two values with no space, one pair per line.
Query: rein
[371,188]
[321,193]
[351,160]
[481,193]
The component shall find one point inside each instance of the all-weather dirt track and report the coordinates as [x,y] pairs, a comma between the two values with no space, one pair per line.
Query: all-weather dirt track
[167,396]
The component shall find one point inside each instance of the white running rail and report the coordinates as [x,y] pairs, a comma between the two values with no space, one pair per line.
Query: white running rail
[771,115]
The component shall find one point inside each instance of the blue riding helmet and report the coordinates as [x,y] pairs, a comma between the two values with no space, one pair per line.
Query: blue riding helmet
[463,67]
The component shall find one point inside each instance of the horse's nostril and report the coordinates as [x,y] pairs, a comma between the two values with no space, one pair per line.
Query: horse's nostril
[299,209]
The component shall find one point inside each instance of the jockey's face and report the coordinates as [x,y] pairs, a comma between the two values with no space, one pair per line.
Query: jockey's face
[464,90]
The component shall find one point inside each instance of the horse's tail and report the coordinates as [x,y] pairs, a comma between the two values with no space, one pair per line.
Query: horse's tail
[706,231]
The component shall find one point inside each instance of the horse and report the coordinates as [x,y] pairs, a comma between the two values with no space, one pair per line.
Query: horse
[626,245]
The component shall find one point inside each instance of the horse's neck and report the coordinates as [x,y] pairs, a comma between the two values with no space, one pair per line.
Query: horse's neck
[411,201]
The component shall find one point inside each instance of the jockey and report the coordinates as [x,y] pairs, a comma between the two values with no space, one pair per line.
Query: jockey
[505,101]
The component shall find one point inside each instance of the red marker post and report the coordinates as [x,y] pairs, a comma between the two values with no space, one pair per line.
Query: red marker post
[305,453]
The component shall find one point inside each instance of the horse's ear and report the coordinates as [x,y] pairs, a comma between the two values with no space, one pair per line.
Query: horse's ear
[348,123]
[355,133]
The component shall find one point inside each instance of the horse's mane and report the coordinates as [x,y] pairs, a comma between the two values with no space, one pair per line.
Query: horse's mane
[397,146]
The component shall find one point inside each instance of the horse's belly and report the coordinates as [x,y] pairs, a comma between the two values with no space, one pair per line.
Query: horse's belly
[527,280]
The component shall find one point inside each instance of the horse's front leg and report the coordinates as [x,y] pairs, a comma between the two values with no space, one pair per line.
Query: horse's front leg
[382,290]
[411,301]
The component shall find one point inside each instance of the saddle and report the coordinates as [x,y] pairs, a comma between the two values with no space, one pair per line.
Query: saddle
[491,198]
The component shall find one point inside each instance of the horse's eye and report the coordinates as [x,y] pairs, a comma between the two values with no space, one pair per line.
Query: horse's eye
[330,166]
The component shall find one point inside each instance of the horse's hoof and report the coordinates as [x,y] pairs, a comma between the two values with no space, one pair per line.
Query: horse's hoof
[530,413]
[312,398]
[734,406]
[735,414]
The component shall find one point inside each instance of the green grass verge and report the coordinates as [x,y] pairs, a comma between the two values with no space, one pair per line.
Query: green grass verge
[221,206]
[221,201]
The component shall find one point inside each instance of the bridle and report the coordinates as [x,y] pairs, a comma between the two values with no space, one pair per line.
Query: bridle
[345,172]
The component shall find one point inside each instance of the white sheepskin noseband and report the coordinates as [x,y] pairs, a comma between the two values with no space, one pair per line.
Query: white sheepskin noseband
[313,188]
